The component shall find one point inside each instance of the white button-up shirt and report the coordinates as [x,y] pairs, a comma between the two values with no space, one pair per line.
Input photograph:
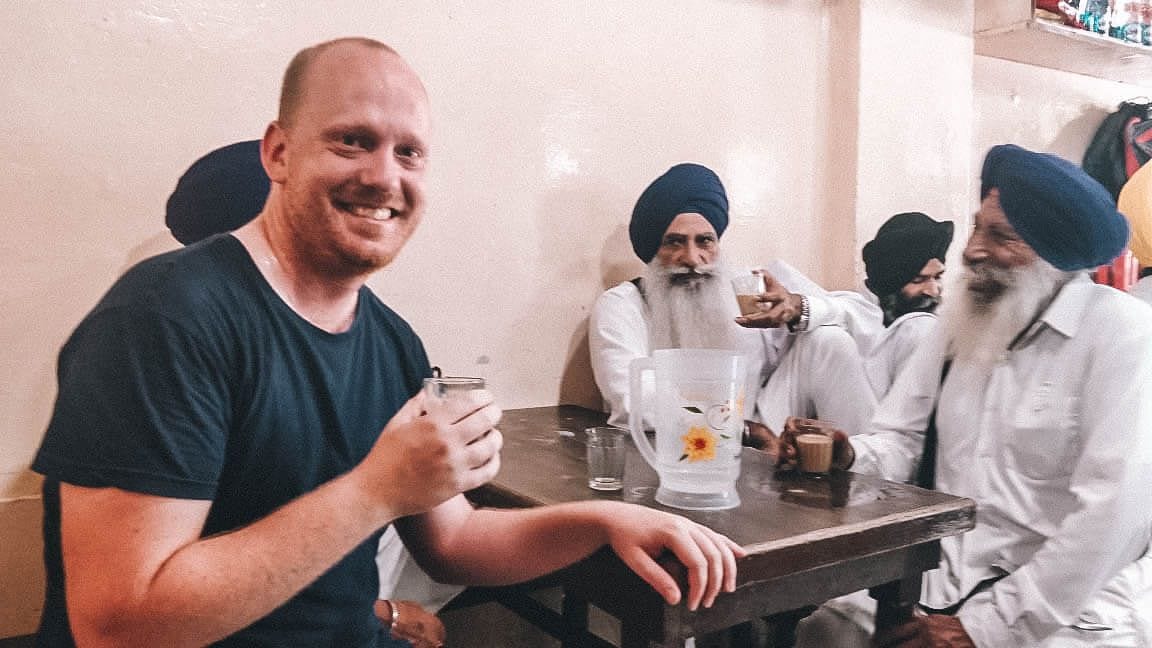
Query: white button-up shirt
[1054,444]
[894,346]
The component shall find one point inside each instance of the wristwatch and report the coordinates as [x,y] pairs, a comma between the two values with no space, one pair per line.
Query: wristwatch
[801,323]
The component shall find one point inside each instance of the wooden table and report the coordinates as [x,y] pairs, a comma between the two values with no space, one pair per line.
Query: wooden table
[809,539]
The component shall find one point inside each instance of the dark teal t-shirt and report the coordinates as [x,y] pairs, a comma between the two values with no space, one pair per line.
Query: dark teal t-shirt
[192,379]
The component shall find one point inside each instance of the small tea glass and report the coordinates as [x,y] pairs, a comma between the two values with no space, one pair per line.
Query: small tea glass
[607,448]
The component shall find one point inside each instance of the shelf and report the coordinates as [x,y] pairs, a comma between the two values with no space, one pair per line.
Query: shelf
[1048,45]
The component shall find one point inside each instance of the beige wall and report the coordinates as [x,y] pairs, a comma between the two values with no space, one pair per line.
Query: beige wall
[550,120]
[1041,109]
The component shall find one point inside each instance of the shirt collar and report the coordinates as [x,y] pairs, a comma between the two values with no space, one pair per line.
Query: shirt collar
[1065,312]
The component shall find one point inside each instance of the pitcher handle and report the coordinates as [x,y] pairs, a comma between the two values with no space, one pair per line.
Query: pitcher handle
[636,370]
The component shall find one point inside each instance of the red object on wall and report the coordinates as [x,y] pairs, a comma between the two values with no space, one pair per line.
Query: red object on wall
[1066,10]
[1120,274]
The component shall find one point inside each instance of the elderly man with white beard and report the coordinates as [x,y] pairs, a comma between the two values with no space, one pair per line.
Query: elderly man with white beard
[684,299]
[1038,389]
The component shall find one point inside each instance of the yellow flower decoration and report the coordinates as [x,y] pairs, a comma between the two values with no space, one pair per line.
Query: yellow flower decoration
[699,444]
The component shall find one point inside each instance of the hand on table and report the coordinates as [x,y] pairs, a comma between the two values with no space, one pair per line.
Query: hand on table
[640,534]
[778,307]
[842,453]
[413,623]
[925,631]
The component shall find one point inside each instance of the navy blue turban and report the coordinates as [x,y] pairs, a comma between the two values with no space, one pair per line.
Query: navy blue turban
[1069,218]
[218,193]
[903,245]
[684,189]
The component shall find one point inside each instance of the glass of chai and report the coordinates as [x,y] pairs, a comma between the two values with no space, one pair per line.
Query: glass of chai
[748,289]
[814,453]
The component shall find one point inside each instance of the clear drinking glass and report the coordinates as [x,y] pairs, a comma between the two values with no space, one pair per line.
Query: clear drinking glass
[439,390]
[748,288]
[606,449]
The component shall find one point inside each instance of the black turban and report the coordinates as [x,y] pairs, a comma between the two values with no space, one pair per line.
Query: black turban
[684,189]
[218,193]
[1058,209]
[903,245]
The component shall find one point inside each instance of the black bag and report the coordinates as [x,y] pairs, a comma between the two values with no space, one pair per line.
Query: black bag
[1122,143]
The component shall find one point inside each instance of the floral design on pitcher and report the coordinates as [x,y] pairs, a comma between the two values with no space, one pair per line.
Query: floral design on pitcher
[719,417]
[702,440]
[699,444]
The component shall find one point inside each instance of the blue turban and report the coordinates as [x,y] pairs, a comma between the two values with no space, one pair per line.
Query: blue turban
[1069,218]
[218,193]
[683,189]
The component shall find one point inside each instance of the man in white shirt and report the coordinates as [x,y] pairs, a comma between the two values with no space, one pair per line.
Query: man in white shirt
[1037,384]
[905,267]
[1135,202]
[684,299]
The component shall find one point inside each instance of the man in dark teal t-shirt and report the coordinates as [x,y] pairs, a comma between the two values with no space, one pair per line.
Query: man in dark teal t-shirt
[238,420]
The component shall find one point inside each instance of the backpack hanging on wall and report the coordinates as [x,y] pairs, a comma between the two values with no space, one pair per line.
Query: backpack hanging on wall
[1123,138]
[1122,144]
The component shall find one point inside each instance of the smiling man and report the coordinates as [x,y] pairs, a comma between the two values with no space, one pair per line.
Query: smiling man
[237,421]
[1037,382]
[905,268]
[220,192]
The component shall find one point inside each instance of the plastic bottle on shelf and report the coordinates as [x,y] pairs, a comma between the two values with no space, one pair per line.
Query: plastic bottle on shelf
[1126,21]
[1095,14]
[1146,22]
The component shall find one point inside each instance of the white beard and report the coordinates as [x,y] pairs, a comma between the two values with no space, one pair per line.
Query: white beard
[697,314]
[981,328]
[701,314]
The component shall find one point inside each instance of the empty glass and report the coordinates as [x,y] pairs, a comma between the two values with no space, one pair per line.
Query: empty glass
[606,450]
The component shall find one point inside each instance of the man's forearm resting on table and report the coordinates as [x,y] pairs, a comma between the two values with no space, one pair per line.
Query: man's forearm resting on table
[493,551]
[139,575]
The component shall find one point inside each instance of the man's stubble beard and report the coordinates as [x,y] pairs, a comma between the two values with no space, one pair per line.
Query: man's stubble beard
[326,238]
[982,324]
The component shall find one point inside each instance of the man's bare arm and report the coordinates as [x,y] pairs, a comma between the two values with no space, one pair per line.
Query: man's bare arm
[138,573]
[456,543]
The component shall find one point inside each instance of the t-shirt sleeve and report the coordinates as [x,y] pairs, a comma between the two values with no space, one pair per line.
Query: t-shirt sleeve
[409,349]
[421,368]
[141,406]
